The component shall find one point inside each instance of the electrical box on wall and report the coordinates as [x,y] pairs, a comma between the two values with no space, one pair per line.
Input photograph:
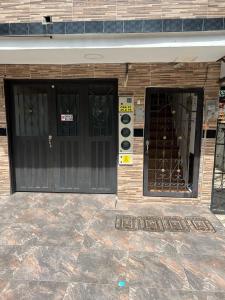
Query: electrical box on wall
[126,120]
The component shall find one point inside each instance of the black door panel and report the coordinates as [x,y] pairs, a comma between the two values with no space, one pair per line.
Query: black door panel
[64,136]
[68,137]
[32,158]
[101,138]
[172,145]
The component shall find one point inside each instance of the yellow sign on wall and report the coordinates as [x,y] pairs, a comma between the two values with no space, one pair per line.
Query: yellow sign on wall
[126,159]
[126,108]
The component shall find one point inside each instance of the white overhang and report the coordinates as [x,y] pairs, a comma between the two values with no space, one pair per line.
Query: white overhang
[132,48]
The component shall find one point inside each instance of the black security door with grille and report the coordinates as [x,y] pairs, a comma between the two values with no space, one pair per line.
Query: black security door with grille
[173,123]
[63,135]
[218,185]
[30,107]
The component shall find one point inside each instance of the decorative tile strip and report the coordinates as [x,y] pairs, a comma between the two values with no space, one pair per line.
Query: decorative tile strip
[119,26]
[161,224]
[200,224]
[175,224]
[150,223]
[128,223]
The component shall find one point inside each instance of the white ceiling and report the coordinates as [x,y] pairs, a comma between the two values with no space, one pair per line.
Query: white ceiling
[113,48]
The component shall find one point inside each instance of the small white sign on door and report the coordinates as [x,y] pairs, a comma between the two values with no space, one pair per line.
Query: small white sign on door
[67,118]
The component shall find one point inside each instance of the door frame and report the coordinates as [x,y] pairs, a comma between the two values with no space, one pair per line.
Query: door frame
[216,206]
[9,109]
[198,139]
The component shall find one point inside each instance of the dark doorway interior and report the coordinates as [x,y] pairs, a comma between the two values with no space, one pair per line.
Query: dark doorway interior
[173,127]
[63,135]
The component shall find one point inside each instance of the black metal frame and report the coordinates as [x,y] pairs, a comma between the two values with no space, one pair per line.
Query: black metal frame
[9,115]
[199,122]
[217,206]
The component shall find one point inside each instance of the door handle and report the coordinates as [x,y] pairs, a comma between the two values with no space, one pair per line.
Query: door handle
[147,143]
[50,141]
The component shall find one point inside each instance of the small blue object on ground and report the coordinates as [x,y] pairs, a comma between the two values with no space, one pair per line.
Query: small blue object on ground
[121,283]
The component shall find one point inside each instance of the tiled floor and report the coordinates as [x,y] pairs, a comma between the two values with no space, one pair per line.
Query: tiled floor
[63,246]
[221,218]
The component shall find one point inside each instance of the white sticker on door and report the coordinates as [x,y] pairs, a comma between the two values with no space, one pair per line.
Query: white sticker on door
[67,118]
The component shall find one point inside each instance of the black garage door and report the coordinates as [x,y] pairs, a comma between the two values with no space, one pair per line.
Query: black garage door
[64,136]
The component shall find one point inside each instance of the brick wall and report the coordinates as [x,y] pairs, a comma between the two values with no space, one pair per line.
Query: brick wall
[130,179]
[65,10]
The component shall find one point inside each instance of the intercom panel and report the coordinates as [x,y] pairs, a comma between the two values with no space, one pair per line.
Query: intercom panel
[126,120]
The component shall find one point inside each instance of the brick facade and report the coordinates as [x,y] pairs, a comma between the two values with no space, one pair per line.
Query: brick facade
[66,10]
[141,76]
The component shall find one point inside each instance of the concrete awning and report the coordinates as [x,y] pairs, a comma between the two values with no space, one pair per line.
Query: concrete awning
[133,48]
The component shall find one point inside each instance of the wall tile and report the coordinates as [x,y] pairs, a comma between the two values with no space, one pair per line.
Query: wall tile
[192,24]
[214,24]
[152,25]
[74,27]
[113,26]
[93,27]
[4,29]
[18,28]
[36,28]
[59,28]
[172,25]
[133,26]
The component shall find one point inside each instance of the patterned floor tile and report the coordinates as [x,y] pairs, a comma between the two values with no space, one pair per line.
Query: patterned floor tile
[205,273]
[25,290]
[101,233]
[56,245]
[3,284]
[80,221]
[19,234]
[215,222]
[150,223]
[77,291]
[126,223]
[101,266]
[75,213]
[183,209]
[143,293]
[3,200]
[95,202]
[11,258]
[48,264]
[200,224]
[10,213]
[196,243]
[175,224]
[156,271]
[61,235]
[139,209]
[21,200]
[152,242]
[38,215]
[55,201]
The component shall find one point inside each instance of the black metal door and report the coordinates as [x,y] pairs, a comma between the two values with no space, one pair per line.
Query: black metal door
[68,137]
[64,136]
[173,123]
[101,138]
[218,185]
[32,157]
